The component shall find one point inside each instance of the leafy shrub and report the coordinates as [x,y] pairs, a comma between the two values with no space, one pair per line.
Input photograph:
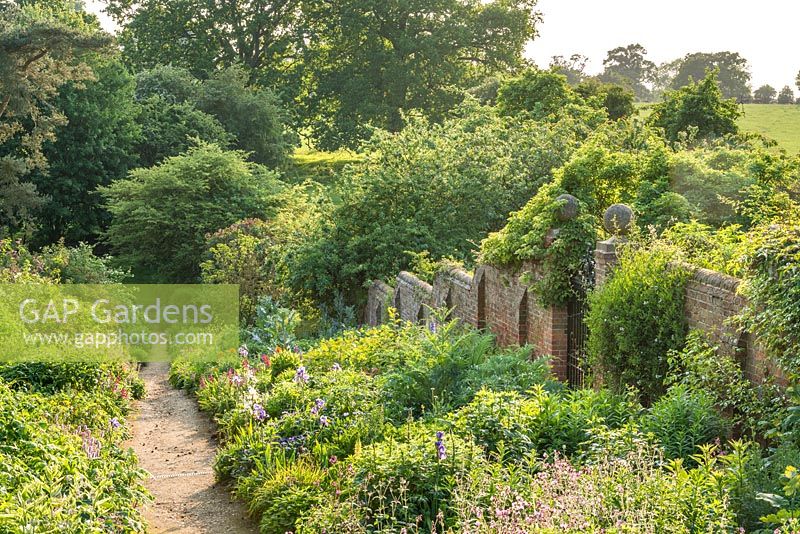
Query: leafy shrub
[175,85]
[753,406]
[511,370]
[431,373]
[254,115]
[287,494]
[239,254]
[540,95]
[161,215]
[635,319]
[699,106]
[171,128]
[712,182]
[617,100]
[54,264]
[79,265]
[417,464]
[512,425]
[682,420]
[412,189]
[701,245]
[773,292]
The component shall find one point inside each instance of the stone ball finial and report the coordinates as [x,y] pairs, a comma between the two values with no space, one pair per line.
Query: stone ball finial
[569,209]
[618,219]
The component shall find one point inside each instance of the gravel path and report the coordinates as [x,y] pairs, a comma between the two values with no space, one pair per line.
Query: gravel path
[174,443]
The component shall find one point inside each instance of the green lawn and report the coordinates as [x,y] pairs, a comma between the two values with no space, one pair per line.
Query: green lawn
[780,122]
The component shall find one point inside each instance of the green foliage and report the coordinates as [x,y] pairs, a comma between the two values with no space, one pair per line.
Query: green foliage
[712,181]
[64,467]
[772,290]
[162,214]
[42,44]
[510,426]
[287,494]
[92,149]
[684,419]
[413,188]
[628,66]
[239,254]
[616,99]
[253,115]
[539,94]
[170,129]
[432,371]
[635,319]
[732,69]
[698,107]
[765,95]
[511,370]
[753,406]
[174,85]
[412,458]
[374,61]
[54,264]
[266,38]
[701,245]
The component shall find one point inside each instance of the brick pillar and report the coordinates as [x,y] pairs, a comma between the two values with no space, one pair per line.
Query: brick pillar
[555,340]
[605,259]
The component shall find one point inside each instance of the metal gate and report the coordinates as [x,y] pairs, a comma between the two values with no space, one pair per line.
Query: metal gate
[576,341]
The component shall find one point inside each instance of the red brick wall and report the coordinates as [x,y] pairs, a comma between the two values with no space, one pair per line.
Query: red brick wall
[712,302]
[497,299]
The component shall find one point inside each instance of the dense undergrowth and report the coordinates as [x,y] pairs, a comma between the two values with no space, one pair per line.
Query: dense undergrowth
[434,428]
[62,428]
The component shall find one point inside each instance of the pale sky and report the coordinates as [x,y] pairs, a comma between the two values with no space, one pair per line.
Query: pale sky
[764,31]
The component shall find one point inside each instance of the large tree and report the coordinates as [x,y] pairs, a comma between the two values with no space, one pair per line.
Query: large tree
[628,66]
[733,75]
[786,96]
[375,59]
[40,45]
[95,147]
[765,95]
[265,36]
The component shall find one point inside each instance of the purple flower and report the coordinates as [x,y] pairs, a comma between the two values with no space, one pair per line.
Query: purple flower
[259,413]
[91,445]
[243,352]
[323,420]
[433,327]
[319,405]
[236,380]
[336,367]
[441,451]
[301,376]
[115,423]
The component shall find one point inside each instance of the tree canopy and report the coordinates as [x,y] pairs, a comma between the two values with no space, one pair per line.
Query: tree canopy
[698,106]
[733,72]
[39,48]
[629,66]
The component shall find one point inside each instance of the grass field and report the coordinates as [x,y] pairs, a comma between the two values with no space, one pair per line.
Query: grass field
[780,122]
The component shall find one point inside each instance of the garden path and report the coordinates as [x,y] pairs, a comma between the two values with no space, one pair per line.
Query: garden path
[174,443]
